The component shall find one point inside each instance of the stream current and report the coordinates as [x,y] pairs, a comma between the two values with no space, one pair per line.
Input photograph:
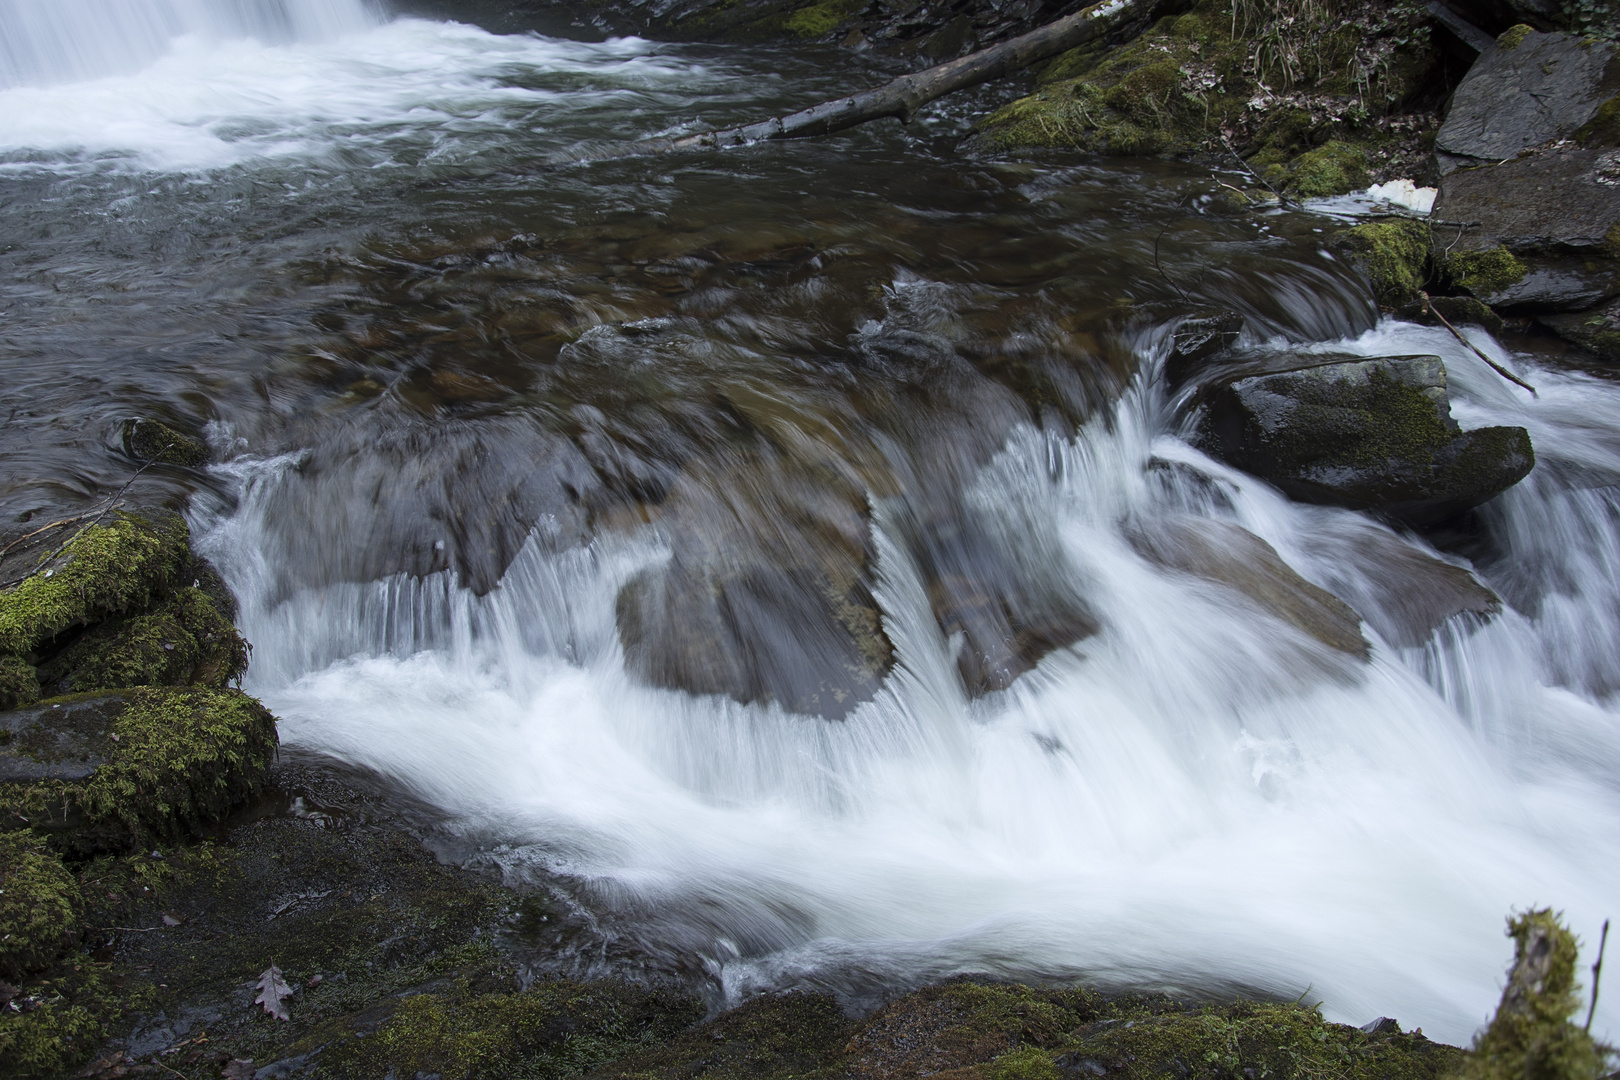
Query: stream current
[513,448]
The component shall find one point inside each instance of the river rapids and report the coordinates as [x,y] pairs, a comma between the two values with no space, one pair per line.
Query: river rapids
[473,400]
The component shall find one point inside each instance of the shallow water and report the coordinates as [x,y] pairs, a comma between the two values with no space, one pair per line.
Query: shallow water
[471,394]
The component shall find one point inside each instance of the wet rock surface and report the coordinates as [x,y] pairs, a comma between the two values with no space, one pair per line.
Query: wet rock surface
[1368,434]
[1232,556]
[1528,90]
[1597,329]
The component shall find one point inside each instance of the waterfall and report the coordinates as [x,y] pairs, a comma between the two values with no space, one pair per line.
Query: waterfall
[56,41]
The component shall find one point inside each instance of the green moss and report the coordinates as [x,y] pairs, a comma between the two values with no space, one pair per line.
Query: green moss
[175,758]
[184,640]
[39,905]
[108,570]
[821,19]
[1514,36]
[1531,1036]
[555,1029]
[1604,127]
[19,682]
[47,1040]
[1336,168]
[148,440]
[1394,256]
[1025,1063]
[1485,273]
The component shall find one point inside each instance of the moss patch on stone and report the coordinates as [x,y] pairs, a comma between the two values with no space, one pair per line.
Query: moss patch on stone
[1531,1036]
[819,20]
[184,640]
[39,905]
[1604,127]
[1394,256]
[1485,273]
[19,682]
[149,440]
[553,1030]
[107,570]
[1514,36]
[176,758]
[1336,168]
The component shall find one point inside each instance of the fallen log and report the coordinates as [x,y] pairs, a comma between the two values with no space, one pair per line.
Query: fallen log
[902,97]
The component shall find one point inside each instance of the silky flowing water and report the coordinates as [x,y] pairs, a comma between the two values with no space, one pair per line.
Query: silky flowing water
[467,392]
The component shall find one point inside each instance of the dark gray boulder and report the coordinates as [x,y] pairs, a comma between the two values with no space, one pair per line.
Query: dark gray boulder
[1368,434]
[1528,90]
[1205,334]
[1537,234]
[1597,329]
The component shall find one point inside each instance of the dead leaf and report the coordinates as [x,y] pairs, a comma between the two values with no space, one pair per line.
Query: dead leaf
[171,919]
[238,1069]
[272,989]
[315,980]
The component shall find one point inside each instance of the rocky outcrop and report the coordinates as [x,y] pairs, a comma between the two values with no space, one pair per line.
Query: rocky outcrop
[1529,90]
[1197,339]
[1368,434]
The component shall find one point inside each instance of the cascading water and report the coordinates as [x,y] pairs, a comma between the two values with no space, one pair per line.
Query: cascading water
[55,41]
[464,398]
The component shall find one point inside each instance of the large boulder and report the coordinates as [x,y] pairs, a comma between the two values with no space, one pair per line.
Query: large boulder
[1528,90]
[1368,434]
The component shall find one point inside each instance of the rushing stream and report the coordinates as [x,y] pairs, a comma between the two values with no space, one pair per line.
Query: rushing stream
[514,446]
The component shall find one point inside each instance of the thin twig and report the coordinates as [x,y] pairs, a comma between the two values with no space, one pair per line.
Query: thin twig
[131,929]
[1238,158]
[1160,269]
[1597,973]
[43,528]
[1498,368]
[112,502]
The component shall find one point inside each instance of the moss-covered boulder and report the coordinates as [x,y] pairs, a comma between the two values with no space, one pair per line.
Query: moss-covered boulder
[40,905]
[185,640]
[1393,255]
[1368,434]
[106,570]
[1597,329]
[19,682]
[118,771]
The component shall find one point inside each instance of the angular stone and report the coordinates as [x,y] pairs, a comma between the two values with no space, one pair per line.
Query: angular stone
[1367,434]
[1529,89]
[1229,555]
[1198,338]
[66,739]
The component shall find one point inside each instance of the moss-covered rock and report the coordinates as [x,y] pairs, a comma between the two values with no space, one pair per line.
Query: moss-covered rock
[1393,255]
[107,570]
[165,760]
[48,1039]
[1301,89]
[183,641]
[1368,434]
[1484,273]
[19,682]
[149,440]
[39,905]
[1531,1036]
[554,1029]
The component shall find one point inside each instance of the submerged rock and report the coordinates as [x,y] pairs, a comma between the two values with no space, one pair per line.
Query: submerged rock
[1368,434]
[115,771]
[1528,90]
[1393,256]
[1229,555]
[1198,338]
[150,440]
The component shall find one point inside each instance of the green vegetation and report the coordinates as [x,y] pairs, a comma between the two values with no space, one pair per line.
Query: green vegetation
[175,758]
[108,570]
[184,640]
[19,682]
[1532,1036]
[1393,254]
[1298,87]
[1514,36]
[39,905]
[1485,273]
[821,19]
[149,440]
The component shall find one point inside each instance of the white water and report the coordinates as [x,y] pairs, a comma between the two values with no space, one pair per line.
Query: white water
[1196,797]
[409,92]
[56,41]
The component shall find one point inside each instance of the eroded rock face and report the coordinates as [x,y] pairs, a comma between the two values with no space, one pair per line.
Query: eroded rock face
[1368,434]
[1528,90]
[1229,555]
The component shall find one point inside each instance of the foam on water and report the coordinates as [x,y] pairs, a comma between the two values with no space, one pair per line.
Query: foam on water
[1198,797]
[405,93]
